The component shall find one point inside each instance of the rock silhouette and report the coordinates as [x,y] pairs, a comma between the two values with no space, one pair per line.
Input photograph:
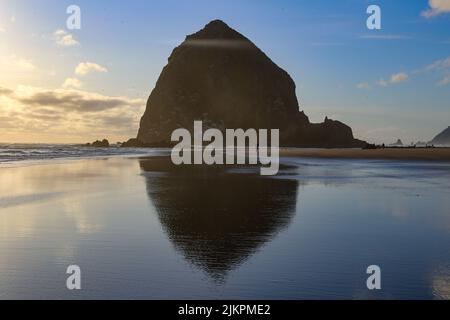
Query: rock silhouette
[220,77]
[99,144]
[399,143]
[443,138]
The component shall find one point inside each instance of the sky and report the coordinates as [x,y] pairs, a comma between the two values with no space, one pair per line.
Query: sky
[70,86]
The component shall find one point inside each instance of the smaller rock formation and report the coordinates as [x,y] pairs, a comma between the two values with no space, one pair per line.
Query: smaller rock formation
[99,144]
[399,143]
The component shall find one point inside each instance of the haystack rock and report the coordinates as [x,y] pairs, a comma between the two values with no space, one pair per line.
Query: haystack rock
[220,77]
[443,138]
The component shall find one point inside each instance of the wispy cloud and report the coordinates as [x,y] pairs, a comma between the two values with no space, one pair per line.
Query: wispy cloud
[87,67]
[444,81]
[327,44]
[70,99]
[20,64]
[363,86]
[382,83]
[441,67]
[385,37]
[436,7]
[393,80]
[5,91]
[65,39]
[72,83]
[399,77]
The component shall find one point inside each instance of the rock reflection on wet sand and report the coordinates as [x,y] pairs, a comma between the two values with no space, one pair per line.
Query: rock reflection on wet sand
[217,219]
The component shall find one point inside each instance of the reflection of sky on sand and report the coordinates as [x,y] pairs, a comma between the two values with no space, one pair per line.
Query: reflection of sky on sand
[28,191]
[326,221]
[44,232]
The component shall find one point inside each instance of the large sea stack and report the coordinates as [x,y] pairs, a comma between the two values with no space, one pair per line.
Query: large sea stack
[220,77]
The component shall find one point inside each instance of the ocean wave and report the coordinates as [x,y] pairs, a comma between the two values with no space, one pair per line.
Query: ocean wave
[30,152]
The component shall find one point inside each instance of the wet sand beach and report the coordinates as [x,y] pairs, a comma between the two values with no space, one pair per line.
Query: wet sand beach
[140,228]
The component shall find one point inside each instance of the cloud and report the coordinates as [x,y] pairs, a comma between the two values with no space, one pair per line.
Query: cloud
[25,65]
[382,83]
[363,85]
[72,83]
[21,64]
[394,79]
[384,37]
[69,113]
[444,81]
[65,39]
[2,30]
[5,91]
[87,67]
[71,100]
[327,44]
[439,65]
[399,77]
[436,7]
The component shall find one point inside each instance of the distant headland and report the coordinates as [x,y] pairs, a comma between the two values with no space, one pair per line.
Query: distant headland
[442,139]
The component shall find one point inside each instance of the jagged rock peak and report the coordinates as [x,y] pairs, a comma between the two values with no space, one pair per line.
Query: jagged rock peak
[217,29]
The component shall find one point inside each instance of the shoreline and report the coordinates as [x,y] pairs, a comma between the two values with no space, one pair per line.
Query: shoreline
[392,154]
[412,154]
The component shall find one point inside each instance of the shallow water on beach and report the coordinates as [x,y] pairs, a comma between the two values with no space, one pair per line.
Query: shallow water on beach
[140,228]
